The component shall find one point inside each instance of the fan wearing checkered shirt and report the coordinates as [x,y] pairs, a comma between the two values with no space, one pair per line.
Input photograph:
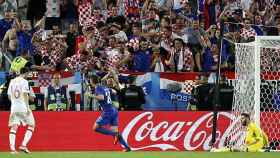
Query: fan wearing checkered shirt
[247,32]
[56,96]
[166,41]
[180,59]
[113,54]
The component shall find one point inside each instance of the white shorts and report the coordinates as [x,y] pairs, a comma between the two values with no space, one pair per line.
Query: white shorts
[18,118]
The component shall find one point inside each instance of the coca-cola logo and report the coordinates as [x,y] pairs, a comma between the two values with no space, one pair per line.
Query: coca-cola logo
[144,132]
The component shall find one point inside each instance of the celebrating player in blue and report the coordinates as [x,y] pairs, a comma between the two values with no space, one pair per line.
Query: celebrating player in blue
[109,114]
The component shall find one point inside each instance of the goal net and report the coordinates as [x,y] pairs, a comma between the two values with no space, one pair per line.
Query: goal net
[257,88]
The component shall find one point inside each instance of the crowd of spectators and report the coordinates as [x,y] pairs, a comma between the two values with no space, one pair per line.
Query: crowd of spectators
[131,35]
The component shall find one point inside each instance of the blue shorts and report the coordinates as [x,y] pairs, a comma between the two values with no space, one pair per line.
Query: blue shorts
[111,119]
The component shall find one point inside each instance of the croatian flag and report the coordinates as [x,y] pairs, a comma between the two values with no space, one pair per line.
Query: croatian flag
[176,90]
[40,81]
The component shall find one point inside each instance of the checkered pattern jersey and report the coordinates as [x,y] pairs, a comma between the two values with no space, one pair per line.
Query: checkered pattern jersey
[113,58]
[247,33]
[78,62]
[187,59]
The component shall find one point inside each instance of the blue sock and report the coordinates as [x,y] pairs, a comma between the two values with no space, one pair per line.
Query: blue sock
[121,140]
[105,131]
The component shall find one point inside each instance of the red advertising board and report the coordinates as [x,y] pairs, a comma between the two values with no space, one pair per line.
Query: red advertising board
[172,130]
[72,131]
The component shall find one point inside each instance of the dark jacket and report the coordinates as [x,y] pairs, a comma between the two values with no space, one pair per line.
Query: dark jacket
[132,97]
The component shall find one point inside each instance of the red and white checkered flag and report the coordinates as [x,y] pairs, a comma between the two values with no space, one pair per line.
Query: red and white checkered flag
[89,22]
[85,13]
[270,3]
[188,59]
[99,15]
[45,79]
[188,86]
[113,59]
[73,62]
[245,33]
[113,12]
[78,62]
[134,43]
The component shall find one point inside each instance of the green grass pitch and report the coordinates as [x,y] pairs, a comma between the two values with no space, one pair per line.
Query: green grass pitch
[139,155]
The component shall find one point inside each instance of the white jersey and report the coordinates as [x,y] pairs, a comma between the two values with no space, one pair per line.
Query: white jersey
[16,90]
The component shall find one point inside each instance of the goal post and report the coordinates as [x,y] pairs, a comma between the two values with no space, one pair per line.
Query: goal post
[257,80]
[256,86]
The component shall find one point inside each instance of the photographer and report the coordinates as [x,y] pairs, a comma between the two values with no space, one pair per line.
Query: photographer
[57,96]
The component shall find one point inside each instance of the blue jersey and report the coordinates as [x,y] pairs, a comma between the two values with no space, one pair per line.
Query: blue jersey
[142,60]
[105,104]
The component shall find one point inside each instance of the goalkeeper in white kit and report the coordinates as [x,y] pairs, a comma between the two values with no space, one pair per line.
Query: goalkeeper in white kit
[18,93]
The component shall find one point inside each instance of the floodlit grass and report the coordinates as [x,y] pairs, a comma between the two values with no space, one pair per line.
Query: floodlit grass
[139,155]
